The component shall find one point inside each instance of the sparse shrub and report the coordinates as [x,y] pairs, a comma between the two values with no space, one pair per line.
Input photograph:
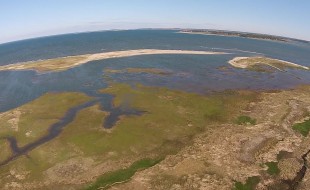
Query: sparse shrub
[241,120]
[303,128]
[273,168]
[250,184]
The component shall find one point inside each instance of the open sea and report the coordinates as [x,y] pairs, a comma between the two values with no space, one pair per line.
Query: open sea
[192,73]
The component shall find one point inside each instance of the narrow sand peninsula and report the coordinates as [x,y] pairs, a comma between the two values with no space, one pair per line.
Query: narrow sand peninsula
[64,63]
[252,62]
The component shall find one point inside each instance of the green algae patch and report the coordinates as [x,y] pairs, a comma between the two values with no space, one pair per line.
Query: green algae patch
[122,175]
[250,184]
[273,168]
[32,120]
[303,128]
[243,120]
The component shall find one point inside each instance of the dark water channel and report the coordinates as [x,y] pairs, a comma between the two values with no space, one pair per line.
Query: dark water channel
[105,100]
[294,183]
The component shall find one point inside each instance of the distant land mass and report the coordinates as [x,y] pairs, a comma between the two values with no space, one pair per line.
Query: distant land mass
[242,34]
[154,109]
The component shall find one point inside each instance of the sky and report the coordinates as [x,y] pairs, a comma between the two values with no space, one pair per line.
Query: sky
[22,19]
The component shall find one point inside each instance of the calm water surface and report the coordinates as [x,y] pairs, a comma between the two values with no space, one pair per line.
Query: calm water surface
[193,73]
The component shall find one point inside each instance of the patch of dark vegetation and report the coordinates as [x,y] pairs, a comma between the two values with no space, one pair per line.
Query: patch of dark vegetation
[284,155]
[278,186]
[303,128]
[242,120]
[262,68]
[250,184]
[215,114]
[122,175]
[273,168]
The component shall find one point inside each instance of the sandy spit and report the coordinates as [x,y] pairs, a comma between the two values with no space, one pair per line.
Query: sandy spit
[37,65]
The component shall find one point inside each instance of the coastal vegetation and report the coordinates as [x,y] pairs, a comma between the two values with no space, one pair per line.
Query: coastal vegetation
[122,175]
[5,150]
[32,120]
[250,184]
[57,64]
[273,168]
[303,127]
[264,64]
[90,156]
[84,146]
[239,34]
[241,120]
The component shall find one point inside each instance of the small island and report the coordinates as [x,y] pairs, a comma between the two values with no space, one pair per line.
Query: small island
[264,64]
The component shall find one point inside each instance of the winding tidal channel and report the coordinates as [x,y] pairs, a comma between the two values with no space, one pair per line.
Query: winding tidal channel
[105,100]
[293,184]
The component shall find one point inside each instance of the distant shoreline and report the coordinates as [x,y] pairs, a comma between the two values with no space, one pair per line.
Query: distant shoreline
[206,34]
[111,30]
[212,34]
[256,36]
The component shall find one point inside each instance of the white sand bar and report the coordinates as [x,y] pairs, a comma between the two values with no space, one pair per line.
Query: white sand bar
[64,63]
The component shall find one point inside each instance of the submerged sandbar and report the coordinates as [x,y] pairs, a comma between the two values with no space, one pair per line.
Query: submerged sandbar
[64,63]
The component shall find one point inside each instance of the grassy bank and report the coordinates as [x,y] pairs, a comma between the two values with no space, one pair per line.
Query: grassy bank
[170,120]
[250,184]
[242,120]
[32,120]
[303,128]
[121,175]
[273,168]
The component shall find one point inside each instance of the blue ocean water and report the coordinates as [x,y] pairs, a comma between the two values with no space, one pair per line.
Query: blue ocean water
[193,73]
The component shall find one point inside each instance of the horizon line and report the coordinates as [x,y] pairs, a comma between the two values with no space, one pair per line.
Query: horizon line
[155,28]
